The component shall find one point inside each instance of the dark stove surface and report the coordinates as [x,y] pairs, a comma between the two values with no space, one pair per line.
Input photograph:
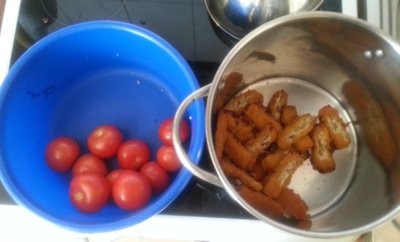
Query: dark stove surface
[198,198]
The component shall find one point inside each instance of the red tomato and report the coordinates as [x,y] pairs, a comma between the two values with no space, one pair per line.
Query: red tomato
[89,192]
[89,162]
[104,141]
[131,190]
[113,175]
[61,153]
[159,178]
[133,154]
[165,131]
[167,158]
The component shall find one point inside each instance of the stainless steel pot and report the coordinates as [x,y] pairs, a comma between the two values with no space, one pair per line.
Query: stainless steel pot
[236,18]
[321,58]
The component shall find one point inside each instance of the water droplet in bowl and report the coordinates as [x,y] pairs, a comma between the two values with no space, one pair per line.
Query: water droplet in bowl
[138,82]
[379,53]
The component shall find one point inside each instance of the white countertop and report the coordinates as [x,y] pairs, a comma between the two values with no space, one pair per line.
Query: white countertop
[7,32]
[18,224]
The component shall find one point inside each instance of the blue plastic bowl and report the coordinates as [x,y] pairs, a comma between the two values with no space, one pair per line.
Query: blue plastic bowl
[73,80]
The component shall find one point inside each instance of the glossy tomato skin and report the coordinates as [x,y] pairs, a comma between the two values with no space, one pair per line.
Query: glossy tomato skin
[61,153]
[131,190]
[89,192]
[104,141]
[165,131]
[158,176]
[168,159]
[89,162]
[113,175]
[133,154]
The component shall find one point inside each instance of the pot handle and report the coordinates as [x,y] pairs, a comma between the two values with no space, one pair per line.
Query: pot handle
[180,151]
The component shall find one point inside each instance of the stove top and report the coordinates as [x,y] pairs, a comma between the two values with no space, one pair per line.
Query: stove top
[185,24]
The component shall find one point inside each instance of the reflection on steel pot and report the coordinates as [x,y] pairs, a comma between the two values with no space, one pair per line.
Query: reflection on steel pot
[237,17]
[321,58]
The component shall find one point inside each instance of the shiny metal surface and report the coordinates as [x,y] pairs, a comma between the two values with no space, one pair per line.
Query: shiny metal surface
[308,98]
[237,17]
[329,50]
[325,57]
[180,150]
